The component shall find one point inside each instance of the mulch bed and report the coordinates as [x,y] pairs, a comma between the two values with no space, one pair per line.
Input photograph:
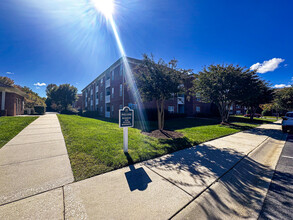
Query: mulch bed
[163,134]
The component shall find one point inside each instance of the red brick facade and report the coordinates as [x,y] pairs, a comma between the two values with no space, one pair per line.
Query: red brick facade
[14,104]
[108,93]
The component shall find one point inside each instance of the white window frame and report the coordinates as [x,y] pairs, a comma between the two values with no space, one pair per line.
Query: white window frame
[112,75]
[121,70]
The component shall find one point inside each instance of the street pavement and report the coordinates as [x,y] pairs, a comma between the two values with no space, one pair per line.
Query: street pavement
[279,201]
[228,175]
[34,161]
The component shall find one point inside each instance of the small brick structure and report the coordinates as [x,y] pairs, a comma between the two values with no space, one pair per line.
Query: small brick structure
[11,100]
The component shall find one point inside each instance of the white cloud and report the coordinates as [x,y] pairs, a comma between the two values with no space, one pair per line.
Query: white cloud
[267,66]
[278,86]
[9,73]
[40,84]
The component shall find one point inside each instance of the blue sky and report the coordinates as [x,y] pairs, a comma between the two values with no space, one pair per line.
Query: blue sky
[65,41]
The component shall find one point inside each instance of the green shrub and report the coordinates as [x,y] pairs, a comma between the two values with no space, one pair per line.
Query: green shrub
[39,109]
[91,114]
[3,112]
[69,111]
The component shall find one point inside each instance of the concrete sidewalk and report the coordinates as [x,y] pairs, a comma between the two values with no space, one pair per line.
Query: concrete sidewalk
[155,189]
[34,161]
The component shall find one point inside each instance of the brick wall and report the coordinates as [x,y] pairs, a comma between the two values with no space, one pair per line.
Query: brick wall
[13,104]
[116,100]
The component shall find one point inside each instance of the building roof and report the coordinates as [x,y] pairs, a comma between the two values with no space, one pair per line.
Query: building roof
[131,60]
[11,89]
[5,85]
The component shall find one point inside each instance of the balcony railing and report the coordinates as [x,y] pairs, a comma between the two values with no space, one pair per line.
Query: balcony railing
[108,99]
[108,83]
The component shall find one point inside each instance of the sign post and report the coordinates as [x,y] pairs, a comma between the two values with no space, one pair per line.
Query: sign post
[126,119]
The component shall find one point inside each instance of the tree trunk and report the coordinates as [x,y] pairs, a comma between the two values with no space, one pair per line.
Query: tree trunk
[253,110]
[221,108]
[159,116]
[163,115]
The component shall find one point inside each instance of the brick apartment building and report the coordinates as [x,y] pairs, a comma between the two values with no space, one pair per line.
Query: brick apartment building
[108,93]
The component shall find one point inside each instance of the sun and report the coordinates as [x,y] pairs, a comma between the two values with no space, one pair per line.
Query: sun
[106,7]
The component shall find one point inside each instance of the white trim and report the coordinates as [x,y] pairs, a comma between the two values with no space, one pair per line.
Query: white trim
[3,101]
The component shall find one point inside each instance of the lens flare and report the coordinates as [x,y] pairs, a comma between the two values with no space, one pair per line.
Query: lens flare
[106,7]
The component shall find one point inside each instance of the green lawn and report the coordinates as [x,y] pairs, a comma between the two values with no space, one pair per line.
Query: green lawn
[11,126]
[95,146]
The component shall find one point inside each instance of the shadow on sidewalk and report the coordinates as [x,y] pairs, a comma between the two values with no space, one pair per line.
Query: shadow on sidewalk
[136,178]
[202,163]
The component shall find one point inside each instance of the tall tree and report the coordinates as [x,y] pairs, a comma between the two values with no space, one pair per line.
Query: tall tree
[61,96]
[284,98]
[256,92]
[158,81]
[221,85]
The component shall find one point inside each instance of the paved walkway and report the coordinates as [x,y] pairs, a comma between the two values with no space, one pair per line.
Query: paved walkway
[34,161]
[155,189]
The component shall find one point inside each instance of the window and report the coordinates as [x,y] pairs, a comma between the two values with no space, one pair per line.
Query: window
[121,70]
[101,109]
[108,108]
[101,94]
[171,109]
[97,89]
[113,75]
[108,76]
[112,109]
[108,91]
[112,92]
[197,97]
[102,80]
[172,96]
[197,109]
[97,96]
[120,107]
[231,108]
[120,90]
